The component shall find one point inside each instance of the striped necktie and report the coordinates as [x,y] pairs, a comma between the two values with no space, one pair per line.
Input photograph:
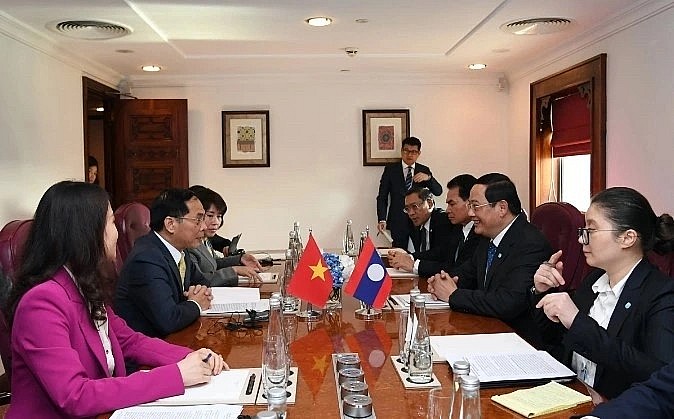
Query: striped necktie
[408,178]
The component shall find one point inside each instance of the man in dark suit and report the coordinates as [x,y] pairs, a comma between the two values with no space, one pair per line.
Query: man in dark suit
[495,282]
[464,239]
[160,291]
[430,234]
[397,179]
[651,399]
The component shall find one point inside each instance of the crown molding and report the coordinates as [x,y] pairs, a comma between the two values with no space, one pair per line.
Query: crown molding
[624,20]
[27,36]
[456,79]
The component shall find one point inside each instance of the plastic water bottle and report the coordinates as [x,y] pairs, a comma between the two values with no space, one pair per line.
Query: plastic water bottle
[348,244]
[420,357]
[277,401]
[411,325]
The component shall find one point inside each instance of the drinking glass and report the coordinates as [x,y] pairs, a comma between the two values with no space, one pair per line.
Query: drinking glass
[439,400]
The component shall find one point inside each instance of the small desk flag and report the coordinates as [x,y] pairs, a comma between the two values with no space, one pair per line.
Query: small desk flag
[311,281]
[369,282]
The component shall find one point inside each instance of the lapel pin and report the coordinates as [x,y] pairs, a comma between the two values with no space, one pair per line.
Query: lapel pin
[628,305]
[498,256]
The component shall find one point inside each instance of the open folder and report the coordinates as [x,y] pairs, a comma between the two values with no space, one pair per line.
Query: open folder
[501,359]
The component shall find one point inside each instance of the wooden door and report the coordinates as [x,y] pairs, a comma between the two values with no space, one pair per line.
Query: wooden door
[150,149]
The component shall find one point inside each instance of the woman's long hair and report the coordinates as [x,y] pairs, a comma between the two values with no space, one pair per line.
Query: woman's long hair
[68,229]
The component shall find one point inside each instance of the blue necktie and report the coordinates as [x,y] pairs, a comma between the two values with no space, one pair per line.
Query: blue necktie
[408,178]
[491,252]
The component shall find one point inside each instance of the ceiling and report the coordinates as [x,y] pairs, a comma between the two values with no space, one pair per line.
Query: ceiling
[218,37]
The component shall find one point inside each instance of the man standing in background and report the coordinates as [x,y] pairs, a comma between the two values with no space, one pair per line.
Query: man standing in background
[397,179]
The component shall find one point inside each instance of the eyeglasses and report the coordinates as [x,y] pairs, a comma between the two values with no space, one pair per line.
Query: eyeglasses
[584,233]
[197,220]
[408,151]
[473,206]
[413,207]
[211,215]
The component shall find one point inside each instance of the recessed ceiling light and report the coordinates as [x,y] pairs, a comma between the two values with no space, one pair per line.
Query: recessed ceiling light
[151,68]
[362,20]
[319,21]
[477,66]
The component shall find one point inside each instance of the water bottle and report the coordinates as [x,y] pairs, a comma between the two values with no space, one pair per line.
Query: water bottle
[298,235]
[411,325]
[470,397]
[297,242]
[460,369]
[363,237]
[348,244]
[277,401]
[274,358]
[420,357]
[290,302]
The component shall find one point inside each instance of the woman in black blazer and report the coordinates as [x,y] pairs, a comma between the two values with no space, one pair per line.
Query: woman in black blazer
[618,327]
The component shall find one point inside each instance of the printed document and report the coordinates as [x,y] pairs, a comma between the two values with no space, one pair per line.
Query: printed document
[225,387]
[216,411]
[234,300]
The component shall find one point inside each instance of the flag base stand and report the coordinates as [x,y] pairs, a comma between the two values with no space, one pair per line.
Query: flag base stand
[368,313]
[309,316]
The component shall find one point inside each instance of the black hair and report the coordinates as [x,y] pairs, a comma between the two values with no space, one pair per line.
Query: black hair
[170,203]
[625,208]
[68,229]
[464,182]
[91,161]
[412,141]
[208,198]
[423,193]
[501,188]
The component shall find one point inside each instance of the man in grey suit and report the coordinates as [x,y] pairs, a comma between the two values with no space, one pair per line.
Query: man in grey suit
[397,179]
[220,271]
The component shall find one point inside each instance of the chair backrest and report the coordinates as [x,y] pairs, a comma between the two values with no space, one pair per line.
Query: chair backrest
[12,239]
[132,221]
[559,223]
[664,262]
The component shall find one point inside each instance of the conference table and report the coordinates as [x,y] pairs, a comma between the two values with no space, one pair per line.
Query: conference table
[340,331]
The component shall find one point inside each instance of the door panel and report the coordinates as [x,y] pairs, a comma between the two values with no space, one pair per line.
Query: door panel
[151,148]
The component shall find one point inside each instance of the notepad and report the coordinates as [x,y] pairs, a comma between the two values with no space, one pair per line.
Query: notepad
[225,387]
[267,278]
[235,300]
[548,398]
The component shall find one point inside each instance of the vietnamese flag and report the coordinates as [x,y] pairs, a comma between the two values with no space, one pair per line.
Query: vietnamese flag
[311,281]
[369,282]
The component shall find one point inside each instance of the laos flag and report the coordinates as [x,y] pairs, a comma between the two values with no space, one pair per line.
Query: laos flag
[369,282]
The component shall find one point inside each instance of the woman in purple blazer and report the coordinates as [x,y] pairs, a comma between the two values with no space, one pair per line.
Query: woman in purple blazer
[68,348]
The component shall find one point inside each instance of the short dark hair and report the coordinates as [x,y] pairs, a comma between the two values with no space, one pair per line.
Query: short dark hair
[464,182]
[68,229]
[501,188]
[170,203]
[423,193]
[627,209]
[208,198]
[91,161]
[411,141]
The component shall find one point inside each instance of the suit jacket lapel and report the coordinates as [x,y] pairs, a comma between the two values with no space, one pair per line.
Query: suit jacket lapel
[628,298]
[208,256]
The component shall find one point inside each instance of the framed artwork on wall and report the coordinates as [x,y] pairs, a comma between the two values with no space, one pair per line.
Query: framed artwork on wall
[383,133]
[245,138]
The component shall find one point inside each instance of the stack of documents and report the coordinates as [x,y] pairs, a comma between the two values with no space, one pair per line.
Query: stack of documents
[267,278]
[548,398]
[501,359]
[397,273]
[235,300]
[226,388]
[220,411]
[402,301]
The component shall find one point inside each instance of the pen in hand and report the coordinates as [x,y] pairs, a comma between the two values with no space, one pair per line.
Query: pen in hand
[205,360]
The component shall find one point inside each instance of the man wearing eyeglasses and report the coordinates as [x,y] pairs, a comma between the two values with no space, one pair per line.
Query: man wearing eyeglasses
[396,180]
[496,280]
[160,291]
[430,235]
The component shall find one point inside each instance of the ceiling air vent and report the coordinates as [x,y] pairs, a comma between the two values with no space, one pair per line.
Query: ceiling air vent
[94,30]
[536,26]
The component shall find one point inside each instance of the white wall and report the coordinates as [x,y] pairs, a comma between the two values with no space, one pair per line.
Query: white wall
[316,174]
[41,127]
[640,109]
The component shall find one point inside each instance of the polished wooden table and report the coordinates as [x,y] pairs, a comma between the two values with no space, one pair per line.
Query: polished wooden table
[339,331]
